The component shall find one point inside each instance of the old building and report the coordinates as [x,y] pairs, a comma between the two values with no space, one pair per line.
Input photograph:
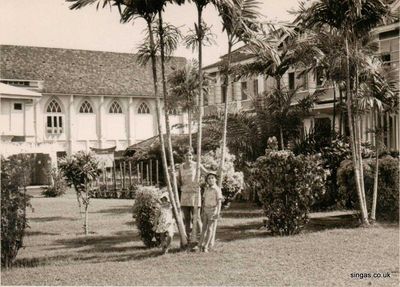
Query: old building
[242,93]
[57,101]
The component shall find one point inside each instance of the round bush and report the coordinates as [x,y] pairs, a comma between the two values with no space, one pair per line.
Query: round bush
[387,207]
[58,186]
[288,185]
[145,210]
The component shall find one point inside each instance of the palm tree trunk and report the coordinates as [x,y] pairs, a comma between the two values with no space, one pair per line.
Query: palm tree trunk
[334,108]
[167,124]
[190,129]
[177,216]
[279,89]
[224,132]
[341,123]
[200,118]
[356,166]
[376,174]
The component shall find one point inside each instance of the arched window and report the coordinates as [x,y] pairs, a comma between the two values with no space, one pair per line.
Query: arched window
[115,108]
[53,107]
[143,109]
[173,112]
[86,108]
[54,118]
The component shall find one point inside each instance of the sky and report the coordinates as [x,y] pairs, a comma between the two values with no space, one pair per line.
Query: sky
[49,23]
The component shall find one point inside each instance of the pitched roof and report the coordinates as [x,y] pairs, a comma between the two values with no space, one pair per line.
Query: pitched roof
[68,71]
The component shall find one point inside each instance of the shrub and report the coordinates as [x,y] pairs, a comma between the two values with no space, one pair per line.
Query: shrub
[388,186]
[288,185]
[232,182]
[58,185]
[145,210]
[13,206]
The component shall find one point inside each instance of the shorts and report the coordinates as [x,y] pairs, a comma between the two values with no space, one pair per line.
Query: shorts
[210,212]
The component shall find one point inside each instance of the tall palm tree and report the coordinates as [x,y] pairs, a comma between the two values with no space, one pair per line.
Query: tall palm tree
[239,20]
[351,20]
[147,10]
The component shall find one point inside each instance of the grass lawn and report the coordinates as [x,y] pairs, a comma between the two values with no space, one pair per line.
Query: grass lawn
[331,249]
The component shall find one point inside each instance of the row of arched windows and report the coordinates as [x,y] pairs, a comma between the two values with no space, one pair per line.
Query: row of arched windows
[86,108]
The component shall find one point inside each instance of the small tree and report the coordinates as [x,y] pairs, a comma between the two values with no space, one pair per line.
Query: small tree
[81,169]
[14,172]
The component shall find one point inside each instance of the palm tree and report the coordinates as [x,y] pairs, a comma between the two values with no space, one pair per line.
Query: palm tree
[239,21]
[275,50]
[148,10]
[351,20]
[376,94]
[184,85]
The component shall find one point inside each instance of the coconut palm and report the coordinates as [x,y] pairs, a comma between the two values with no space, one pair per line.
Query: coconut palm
[352,20]
[147,10]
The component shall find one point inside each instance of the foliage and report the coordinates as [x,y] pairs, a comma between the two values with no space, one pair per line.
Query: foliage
[388,191]
[145,210]
[58,184]
[14,171]
[232,182]
[80,170]
[288,185]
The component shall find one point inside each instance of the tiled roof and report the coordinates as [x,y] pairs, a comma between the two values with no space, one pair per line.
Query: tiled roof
[69,71]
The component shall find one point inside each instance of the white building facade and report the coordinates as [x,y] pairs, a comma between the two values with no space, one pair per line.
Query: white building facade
[59,101]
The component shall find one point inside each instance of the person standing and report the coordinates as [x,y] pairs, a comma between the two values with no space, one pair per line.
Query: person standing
[211,210]
[190,193]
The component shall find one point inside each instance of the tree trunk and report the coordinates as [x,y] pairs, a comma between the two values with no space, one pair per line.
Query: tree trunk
[200,118]
[279,89]
[224,132]
[376,174]
[334,108]
[341,123]
[190,129]
[167,124]
[177,216]
[356,166]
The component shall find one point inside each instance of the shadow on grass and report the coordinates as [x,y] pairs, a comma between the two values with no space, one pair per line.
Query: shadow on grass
[52,218]
[116,211]
[39,233]
[332,222]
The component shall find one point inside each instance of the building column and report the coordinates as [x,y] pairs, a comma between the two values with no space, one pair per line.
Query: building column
[71,115]
[131,122]
[101,123]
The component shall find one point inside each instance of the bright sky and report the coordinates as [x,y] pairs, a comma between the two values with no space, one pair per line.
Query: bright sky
[49,23]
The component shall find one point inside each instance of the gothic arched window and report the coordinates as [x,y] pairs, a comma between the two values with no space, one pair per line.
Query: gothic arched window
[115,108]
[143,109]
[54,118]
[86,108]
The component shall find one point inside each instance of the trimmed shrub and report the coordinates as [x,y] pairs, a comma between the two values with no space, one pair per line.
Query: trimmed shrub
[13,206]
[388,186]
[232,183]
[288,185]
[145,210]
[58,186]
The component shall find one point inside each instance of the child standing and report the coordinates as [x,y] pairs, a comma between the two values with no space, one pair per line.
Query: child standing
[165,223]
[211,210]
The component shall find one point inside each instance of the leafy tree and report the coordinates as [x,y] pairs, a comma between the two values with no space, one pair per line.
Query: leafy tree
[81,170]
